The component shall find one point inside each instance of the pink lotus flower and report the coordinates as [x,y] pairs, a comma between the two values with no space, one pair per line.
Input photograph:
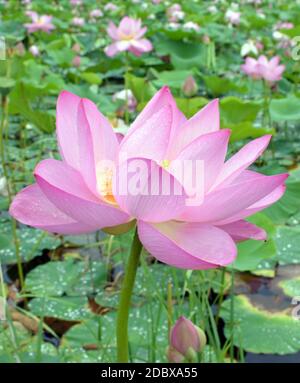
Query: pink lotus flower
[95,13]
[78,21]
[39,23]
[79,195]
[175,13]
[128,37]
[261,68]
[233,17]
[127,97]
[111,7]
[284,25]
[186,340]
[76,61]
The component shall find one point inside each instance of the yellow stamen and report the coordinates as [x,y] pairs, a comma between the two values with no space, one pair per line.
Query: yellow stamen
[126,37]
[165,163]
[104,184]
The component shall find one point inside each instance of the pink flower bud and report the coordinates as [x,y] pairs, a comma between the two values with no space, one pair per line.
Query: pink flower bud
[76,61]
[186,339]
[76,48]
[189,87]
[206,39]
[174,356]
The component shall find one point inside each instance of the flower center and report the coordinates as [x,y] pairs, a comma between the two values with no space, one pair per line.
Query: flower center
[165,163]
[104,177]
[127,37]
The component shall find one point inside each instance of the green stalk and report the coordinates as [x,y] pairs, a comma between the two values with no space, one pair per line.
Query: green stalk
[232,316]
[4,123]
[125,297]
[126,88]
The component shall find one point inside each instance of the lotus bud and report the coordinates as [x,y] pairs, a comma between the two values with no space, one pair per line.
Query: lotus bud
[76,61]
[206,39]
[174,356]
[189,87]
[76,48]
[186,339]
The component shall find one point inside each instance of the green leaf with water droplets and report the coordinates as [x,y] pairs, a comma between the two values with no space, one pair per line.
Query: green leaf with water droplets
[259,330]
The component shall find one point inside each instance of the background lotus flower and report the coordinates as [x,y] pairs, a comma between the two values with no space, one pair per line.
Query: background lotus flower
[76,61]
[75,195]
[111,7]
[261,68]
[175,13]
[189,87]
[191,26]
[270,70]
[128,37]
[126,96]
[249,47]
[34,50]
[186,340]
[77,21]
[233,17]
[39,23]
[96,13]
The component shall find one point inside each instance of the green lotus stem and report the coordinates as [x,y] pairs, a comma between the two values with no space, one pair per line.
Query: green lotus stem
[126,88]
[125,298]
[232,317]
[3,125]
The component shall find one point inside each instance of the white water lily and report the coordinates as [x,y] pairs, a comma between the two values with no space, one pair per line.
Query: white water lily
[249,47]
[191,26]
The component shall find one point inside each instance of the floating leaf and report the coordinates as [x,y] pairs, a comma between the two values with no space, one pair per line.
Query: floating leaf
[285,109]
[32,242]
[66,308]
[261,331]
[288,244]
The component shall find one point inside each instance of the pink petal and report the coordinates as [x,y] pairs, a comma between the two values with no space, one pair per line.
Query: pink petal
[187,245]
[226,202]
[98,141]
[146,191]
[210,148]
[161,99]
[140,32]
[126,25]
[207,120]
[243,230]
[65,188]
[151,139]
[184,336]
[262,60]
[122,45]
[66,127]
[241,160]
[274,62]
[120,137]
[111,50]
[112,30]
[258,206]
[142,45]
[86,149]
[31,207]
